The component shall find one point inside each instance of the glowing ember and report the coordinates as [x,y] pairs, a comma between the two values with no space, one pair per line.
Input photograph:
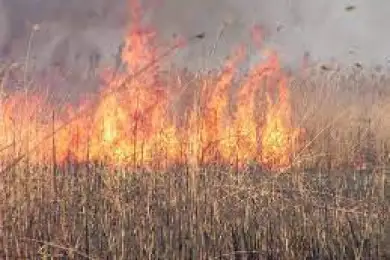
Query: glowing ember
[136,125]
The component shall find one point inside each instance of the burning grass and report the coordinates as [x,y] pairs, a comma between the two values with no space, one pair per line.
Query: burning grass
[198,166]
[133,121]
[326,205]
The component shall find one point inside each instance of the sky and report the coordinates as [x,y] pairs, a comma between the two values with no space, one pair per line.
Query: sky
[346,31]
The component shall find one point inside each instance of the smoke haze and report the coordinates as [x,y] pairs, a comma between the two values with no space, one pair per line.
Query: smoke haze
[73,31]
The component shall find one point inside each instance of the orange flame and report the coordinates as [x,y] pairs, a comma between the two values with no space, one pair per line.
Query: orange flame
[137,126]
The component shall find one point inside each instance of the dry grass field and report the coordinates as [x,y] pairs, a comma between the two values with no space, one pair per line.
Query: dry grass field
[183,165]
[323,207]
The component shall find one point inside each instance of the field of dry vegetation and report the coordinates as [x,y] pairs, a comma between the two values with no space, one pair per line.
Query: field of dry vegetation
[333,203]
[303,176]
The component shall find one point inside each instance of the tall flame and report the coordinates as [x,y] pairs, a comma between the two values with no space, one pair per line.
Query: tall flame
[137,125]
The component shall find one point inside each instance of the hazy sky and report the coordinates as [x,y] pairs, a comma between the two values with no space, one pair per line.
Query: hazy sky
[324,28]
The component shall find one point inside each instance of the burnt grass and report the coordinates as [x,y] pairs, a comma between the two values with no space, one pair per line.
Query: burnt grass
[92,212]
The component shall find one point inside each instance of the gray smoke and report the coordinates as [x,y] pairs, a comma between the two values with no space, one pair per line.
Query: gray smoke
[346,31]
[75,34]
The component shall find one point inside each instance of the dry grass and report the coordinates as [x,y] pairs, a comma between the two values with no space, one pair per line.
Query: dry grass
[208,214]
[322,208]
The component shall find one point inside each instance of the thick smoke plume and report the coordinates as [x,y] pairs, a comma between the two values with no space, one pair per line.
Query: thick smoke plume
[82,35]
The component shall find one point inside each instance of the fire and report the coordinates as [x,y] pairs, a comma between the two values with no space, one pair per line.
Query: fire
[133,122]
[277,136]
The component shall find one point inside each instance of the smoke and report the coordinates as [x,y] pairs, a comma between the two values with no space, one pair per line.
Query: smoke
[71,31]
[329,30]
[346,31]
